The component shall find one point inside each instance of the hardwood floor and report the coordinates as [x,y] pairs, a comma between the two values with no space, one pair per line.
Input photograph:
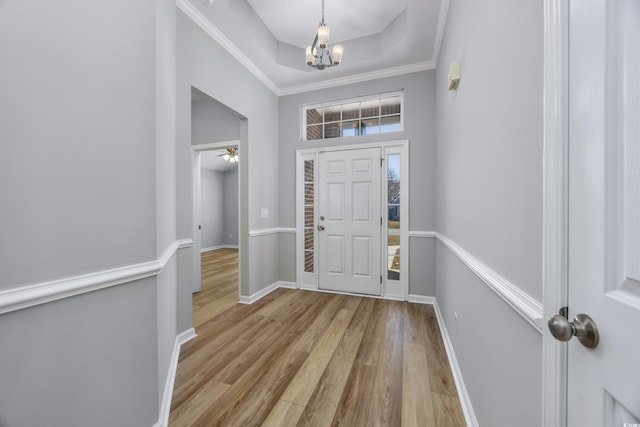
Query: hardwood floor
[310,359]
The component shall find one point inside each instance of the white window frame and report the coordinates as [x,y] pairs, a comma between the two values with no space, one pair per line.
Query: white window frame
[304,108]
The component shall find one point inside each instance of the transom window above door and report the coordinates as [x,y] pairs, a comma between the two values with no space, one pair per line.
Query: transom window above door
[353,117]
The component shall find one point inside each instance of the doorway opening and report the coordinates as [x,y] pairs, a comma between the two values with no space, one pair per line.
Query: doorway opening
[216,164]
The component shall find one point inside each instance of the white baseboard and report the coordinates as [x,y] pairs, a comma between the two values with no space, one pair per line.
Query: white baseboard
[261,293]
[463,395]
[213,248]
[392,297]
[165,405]
[421,299]
[287,285]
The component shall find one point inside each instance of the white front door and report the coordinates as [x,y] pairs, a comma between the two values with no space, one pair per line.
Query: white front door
[349,221]
[604,210]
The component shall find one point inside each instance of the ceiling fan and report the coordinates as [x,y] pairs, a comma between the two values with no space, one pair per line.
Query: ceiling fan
[230,155]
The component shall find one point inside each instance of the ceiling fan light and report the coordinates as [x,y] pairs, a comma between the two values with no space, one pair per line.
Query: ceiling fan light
[226,157]
[336,54]
[323,36]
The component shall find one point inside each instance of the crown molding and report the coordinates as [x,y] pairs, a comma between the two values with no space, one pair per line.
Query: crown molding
[358,78]
[199,19]
[442,20]
[206,25]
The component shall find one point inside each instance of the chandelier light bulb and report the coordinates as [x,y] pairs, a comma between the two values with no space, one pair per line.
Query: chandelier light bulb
[323,36]
[309,56]
[336,54]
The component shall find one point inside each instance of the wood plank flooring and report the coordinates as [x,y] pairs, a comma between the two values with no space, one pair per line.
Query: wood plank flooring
[309,359]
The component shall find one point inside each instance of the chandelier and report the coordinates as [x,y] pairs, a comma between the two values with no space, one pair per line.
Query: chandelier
[321,54]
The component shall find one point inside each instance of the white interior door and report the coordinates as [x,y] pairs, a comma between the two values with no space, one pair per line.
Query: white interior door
[349,221]
[604,210]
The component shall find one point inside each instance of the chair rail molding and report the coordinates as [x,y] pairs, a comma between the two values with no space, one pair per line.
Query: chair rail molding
[41,293]
[524,304]
[267,231]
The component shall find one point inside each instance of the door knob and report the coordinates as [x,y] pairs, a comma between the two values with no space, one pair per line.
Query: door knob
[321,227]
[582,327]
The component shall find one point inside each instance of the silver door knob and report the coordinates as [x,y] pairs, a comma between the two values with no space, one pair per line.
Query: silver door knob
[582,327]
[321,227]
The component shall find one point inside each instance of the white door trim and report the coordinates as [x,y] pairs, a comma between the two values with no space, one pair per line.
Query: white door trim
[310,281]
[555,192]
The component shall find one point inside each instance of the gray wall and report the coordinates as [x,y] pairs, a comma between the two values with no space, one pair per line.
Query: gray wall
[489,174]
[87,128]
[212,202]
[219,200]
[205,65]
[230,214]
[212,122]
[420,130]
[89,360]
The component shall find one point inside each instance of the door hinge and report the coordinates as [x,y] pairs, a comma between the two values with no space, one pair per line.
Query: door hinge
[381,160]
[380,220]
[381,279]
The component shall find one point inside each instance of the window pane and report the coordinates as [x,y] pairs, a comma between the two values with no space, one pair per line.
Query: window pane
[308,221]
[351,111]
[332,114]
[390,124]
[371,108]
[314,132]
[332,130]
[393,217]
[354,117]
[308,212]
[308,262]
[308,171]
[351,128]
[369,127]
[390,105]
[314,115]
[308,239]
[308,194]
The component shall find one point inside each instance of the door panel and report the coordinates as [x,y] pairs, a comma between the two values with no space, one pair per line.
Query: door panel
[604,210]
[335,255]
[349,212]
[362,252]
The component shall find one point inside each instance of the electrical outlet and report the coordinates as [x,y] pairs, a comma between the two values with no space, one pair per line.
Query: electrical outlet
[230,236]
[264,213]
